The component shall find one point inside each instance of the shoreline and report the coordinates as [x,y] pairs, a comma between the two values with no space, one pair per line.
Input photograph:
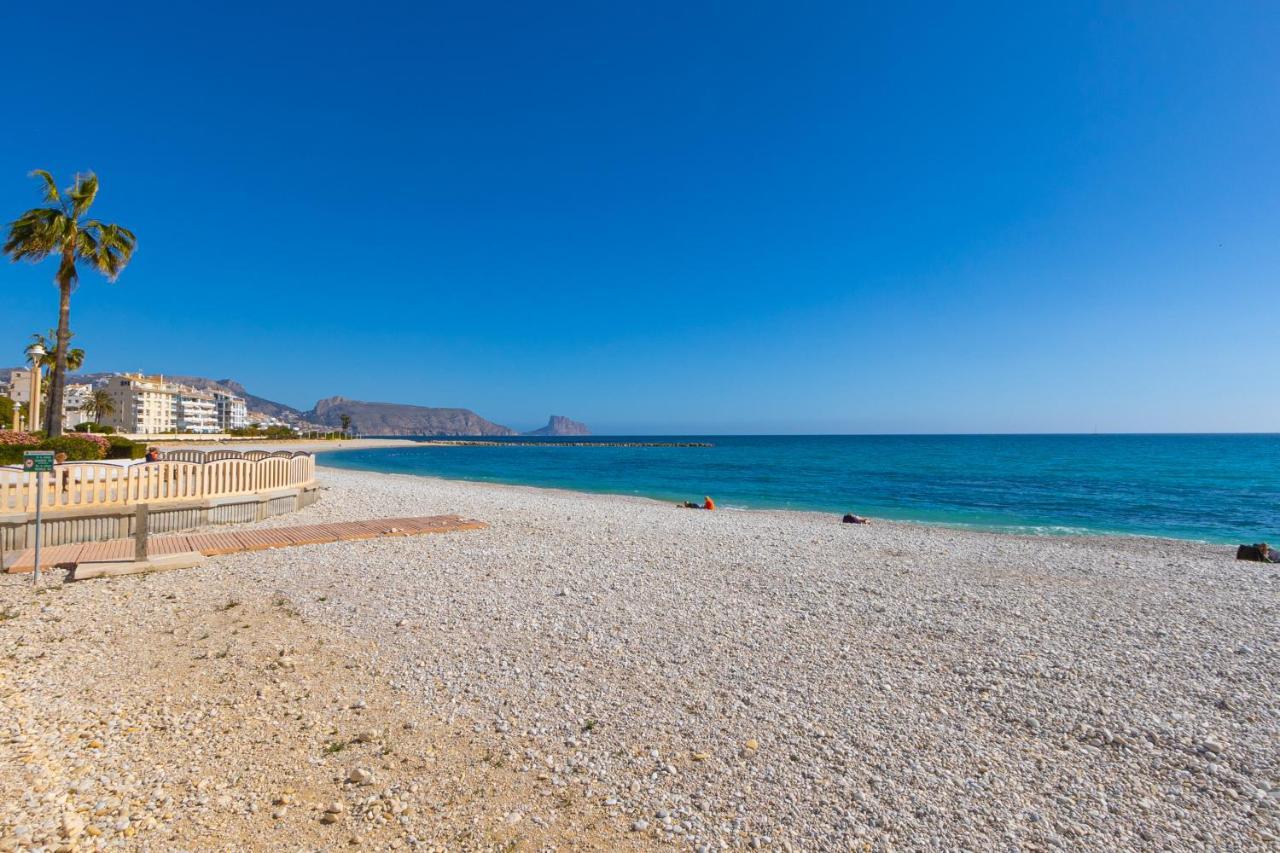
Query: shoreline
[305,444]
[958,527]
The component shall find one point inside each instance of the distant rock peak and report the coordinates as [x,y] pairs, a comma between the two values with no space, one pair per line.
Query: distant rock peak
[560,425]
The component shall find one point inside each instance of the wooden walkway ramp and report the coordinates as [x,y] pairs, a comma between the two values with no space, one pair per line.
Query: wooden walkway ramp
[235,541]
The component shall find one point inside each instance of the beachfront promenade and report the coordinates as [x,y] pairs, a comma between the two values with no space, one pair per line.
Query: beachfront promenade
[91,501]
[213,544]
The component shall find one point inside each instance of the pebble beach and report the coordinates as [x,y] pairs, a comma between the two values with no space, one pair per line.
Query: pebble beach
[604,672]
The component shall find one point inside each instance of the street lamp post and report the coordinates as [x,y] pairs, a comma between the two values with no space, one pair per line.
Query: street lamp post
[35,353]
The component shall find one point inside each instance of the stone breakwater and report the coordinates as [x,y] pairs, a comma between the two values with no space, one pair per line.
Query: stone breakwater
[466,442]
[767,679]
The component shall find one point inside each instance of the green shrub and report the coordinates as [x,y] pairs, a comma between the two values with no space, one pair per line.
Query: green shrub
[122,448]
[11,454]
[92,426]
[257,431]
[79,448]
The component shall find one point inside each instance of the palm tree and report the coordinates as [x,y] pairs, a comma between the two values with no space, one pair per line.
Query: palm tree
[75,357]
[75,360]
[100,405]
[59,228]
[346,424]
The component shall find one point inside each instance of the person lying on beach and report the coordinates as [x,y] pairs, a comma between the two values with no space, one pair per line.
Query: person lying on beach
[1258,553]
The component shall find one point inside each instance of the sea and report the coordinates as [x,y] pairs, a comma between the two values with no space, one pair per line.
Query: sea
[1213,488]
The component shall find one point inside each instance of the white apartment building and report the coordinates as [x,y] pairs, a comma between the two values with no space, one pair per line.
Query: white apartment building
[231,411]
[19,387]
[75,404]
[75,397]
[197,411]
[148,404]
[143,404]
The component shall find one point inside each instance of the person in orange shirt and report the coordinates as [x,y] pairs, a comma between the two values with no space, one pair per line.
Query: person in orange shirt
[710,504]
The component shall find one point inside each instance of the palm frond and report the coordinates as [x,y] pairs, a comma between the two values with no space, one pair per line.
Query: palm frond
[86,245]
[75,355]
[113,247]
[118,233]
[83,193]
[36,233]
[101,404]
[50,187]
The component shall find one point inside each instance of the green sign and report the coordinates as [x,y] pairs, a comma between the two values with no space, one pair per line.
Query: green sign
[37,461]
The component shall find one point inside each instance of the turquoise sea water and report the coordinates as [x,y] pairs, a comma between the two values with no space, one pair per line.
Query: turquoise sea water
[1219,488]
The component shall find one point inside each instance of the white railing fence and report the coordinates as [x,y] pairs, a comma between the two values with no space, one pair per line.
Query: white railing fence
[102,485]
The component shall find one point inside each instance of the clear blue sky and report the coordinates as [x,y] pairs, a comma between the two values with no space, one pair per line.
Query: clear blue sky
[675,217]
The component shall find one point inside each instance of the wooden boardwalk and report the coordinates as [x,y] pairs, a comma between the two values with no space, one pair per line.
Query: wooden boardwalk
[235,541]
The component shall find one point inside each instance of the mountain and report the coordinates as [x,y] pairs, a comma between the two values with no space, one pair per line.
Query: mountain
[560,425]
[400,419]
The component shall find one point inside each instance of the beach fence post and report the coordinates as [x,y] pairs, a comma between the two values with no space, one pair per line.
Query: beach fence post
[141,520]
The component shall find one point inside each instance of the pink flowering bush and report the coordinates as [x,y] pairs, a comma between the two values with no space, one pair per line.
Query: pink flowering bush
[78,446]
[101,440]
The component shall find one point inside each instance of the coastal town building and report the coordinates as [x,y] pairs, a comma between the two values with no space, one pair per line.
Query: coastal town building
[197,411]
[75,398]
[18,388]
[231,410]
[142,404]
[148,404]
[75,403]
[262,419]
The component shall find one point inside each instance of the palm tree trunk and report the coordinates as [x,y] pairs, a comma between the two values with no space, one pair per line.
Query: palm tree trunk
[59,379]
